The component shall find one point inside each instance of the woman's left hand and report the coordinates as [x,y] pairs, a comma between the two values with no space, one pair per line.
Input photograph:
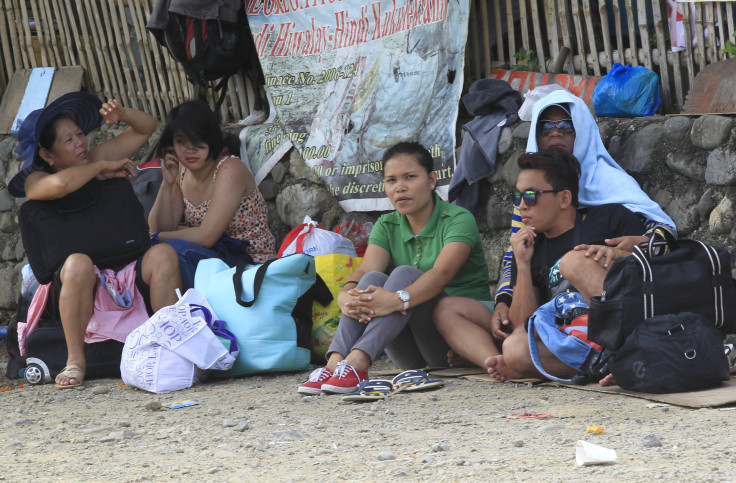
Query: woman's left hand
[375,302]
[112,111]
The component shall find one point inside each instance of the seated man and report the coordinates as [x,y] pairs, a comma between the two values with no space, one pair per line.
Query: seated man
[558,247]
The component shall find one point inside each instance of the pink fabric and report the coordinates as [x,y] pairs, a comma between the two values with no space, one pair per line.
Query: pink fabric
[109,320]
[38,304]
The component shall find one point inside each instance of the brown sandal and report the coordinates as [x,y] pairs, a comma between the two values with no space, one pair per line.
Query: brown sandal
[73,373]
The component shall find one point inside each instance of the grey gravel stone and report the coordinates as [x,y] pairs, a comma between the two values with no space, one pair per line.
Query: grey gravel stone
[440,447]
[243,425]
[97,390]
[652,441]
[385,456]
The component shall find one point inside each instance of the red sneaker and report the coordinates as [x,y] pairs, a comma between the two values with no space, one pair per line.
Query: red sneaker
[345,379]
[314,384]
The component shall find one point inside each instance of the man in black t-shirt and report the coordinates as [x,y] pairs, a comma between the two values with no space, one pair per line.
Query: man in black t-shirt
[558,247]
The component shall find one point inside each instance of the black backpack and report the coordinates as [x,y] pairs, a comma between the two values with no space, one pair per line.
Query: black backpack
[212,41]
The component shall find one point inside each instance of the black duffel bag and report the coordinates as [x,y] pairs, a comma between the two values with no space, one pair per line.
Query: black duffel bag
[102,219]
[663,276]
[671,353]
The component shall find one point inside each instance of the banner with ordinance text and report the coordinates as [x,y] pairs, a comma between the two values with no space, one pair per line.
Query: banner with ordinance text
[350,78]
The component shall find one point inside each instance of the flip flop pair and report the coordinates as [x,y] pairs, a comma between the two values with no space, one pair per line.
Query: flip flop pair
[375,389]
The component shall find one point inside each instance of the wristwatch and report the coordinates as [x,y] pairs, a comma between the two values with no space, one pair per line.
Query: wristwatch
[404,297]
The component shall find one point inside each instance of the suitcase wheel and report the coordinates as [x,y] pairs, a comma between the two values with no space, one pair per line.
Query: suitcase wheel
[36,372]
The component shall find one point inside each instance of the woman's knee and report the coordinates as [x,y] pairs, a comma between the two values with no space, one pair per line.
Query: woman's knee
[373,278]
[160,258]
[401,277]
[78,270]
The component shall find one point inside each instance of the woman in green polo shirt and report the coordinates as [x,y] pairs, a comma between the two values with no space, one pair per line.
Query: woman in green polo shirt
[437,251]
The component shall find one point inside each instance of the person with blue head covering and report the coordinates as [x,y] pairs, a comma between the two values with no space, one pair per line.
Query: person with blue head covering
[563,120]
[57,161]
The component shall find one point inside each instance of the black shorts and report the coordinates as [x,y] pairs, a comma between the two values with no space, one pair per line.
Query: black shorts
[52,304]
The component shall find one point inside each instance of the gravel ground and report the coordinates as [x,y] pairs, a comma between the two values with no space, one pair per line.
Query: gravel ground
[259,428]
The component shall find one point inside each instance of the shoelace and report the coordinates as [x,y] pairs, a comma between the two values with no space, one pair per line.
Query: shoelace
[319,375]
[343,369]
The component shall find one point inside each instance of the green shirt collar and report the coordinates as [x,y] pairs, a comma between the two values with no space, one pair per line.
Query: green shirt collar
[429,229]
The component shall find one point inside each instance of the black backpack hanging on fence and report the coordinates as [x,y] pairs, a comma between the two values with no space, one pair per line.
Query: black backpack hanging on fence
[210,39]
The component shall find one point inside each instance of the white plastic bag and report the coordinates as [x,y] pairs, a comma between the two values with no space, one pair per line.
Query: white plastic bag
[311,239]
[532,96]
[175,348]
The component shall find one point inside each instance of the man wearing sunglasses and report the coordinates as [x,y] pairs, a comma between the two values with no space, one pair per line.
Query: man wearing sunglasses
[562,120]
[558,247]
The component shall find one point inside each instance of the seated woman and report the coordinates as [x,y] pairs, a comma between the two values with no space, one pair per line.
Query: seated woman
[53,143]
[561,120]
[213,194]
[436,249]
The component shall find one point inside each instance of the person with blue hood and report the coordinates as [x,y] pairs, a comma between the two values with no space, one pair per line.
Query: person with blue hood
[52,143]
[563,120]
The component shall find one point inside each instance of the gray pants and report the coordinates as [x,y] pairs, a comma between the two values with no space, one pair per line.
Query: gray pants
[410,340]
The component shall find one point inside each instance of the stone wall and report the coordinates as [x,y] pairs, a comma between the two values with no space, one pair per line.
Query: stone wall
[687,165]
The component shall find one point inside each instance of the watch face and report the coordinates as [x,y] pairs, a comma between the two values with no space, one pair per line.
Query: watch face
[403,295]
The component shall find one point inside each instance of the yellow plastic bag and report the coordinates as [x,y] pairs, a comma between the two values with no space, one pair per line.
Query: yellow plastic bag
[334,270]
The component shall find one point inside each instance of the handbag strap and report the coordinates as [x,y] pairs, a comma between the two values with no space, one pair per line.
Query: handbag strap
[217,327]
[257,281]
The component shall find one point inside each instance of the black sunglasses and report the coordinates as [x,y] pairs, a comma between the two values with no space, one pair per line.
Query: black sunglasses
[530,196]
[564,126]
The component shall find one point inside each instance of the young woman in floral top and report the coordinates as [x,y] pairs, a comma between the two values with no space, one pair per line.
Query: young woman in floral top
[213,195]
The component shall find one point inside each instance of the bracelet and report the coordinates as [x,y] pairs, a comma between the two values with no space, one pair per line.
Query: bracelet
[350,281]
[154,238]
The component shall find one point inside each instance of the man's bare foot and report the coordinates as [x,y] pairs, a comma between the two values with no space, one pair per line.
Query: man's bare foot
[498,369]
[456,360]
[607,381]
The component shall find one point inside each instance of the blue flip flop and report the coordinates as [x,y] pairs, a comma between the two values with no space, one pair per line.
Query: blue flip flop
[371,390]
[415,380]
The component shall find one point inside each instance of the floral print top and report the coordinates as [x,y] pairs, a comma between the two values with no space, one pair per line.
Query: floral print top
[249,223]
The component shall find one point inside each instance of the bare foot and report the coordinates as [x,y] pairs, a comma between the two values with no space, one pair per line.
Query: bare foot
[498,369]
[607,381]
[456,360]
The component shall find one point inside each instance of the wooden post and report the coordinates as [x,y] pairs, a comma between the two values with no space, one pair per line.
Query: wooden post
[84,44]
[5,44]
[485,30]
[499,29]
[524,21]
[65,37]
[591,38]
[40,27]
[538,33]
[575,9]
[473,52]
[153,91]
[511,35]
[702,62]
[662,48]
[711,55]
[605,28]
[688,46]
[631,26]
[644,34]
[29,59]
[564,18]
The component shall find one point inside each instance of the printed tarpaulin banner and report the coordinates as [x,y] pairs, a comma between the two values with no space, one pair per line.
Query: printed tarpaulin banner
[350,78]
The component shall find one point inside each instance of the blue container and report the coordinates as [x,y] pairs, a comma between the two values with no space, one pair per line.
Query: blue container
[3,331]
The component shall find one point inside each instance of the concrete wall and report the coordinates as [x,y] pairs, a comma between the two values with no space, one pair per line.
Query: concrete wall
[687,165]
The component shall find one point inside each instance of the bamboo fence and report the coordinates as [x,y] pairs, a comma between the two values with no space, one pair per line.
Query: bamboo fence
[108,38]
[122,60]
[640,36]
